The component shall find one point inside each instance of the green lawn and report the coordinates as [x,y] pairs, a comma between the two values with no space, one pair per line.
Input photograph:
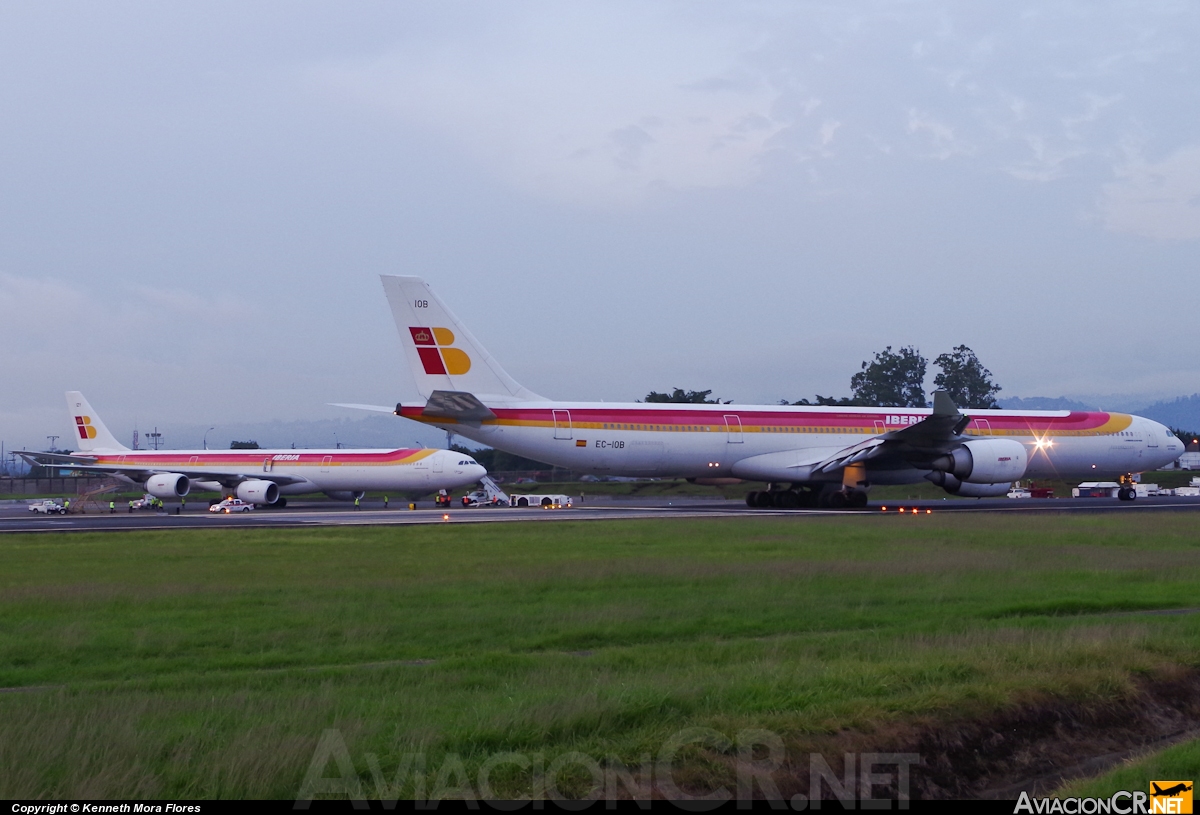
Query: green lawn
[209,663]
[1181,761]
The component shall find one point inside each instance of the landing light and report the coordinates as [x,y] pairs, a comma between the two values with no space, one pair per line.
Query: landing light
[445,517]
[883,509]
[914,510]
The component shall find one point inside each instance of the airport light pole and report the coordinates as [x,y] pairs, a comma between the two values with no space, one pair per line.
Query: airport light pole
[206,432]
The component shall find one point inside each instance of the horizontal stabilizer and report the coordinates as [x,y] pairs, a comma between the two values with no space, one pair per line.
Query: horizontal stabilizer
[373,408]
[458,405]
[52,459]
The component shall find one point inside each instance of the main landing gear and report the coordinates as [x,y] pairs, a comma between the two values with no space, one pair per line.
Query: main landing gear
[807,498]
[1128,491]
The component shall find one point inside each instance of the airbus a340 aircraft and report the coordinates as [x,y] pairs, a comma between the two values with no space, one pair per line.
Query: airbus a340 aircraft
[259,476]
[828,456]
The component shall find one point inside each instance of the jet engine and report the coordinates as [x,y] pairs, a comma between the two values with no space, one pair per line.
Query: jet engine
[345,495]
[984,461]
[258,492]
[168,485]
[956,486]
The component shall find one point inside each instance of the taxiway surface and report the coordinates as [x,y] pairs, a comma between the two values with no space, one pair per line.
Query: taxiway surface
[15,517]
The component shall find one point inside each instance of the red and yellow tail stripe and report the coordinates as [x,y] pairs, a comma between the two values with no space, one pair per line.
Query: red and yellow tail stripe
[434,347]
[83,425]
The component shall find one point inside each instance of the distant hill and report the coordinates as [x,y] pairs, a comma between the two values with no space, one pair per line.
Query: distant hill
[1043,403]
[375,430]
[1182,413]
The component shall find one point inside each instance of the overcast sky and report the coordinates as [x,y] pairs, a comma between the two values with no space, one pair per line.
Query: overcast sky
[196,200]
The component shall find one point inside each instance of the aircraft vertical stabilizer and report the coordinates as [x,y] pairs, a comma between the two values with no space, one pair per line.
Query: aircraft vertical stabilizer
[442,354]
[90,432]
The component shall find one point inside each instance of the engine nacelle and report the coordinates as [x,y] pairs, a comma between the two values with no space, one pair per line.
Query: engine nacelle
[985,461]
[258,492]
[345,495]
[168,485]
[956,486]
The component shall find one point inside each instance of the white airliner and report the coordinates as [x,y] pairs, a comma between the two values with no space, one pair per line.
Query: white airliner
[259,476]
[828,456]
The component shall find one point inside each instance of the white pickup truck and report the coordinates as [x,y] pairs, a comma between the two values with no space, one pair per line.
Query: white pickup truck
[48,507]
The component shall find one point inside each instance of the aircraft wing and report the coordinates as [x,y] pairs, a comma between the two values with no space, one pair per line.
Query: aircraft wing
[935,435]
[139,472]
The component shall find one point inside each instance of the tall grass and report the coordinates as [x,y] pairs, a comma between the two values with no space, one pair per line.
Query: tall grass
[209,663]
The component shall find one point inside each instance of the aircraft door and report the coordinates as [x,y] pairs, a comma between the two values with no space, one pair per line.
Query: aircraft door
[437,462]
[985,427]
[326,462]
[733,428]
[562,424]
[1151,438]
[268,464]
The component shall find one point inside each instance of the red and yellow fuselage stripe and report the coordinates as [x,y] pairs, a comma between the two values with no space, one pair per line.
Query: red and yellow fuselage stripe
[1074,423]
[225,459]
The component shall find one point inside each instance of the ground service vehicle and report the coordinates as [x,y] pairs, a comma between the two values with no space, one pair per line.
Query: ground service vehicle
[489,494]
[48,507]
[543,500]
[231,505]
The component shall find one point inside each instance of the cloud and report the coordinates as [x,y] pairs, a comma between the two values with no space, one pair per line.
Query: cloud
[1156,199]
[52,326]
[943,141]
[606,120]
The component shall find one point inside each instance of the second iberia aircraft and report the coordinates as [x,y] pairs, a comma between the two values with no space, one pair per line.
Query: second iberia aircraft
[259,476]
[828,456]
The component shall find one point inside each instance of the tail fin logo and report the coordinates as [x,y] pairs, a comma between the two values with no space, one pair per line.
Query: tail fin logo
[438,356]
[84,425]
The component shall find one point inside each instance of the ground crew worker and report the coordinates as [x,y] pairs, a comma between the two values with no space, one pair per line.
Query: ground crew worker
[67,504]
[131,506]
[356,505]
[385,502]
[112,507]
[182,504]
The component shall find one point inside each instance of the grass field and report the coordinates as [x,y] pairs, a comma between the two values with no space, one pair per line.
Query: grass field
[1179,762]
[209,663]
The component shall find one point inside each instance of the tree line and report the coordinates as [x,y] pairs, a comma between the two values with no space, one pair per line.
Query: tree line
[891,379]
